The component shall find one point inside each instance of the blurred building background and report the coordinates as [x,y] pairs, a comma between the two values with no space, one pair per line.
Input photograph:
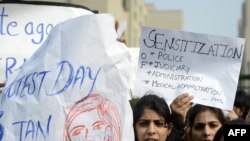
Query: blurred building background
[244,32]
[136,13]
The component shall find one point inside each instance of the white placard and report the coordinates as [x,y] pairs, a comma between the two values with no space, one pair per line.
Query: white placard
[172,62]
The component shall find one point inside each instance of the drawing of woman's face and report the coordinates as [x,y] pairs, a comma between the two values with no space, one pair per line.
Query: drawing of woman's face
[93,119]
[89,127]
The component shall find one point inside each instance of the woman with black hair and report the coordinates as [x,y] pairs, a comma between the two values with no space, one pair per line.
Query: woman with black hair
[152,118]
[203,122]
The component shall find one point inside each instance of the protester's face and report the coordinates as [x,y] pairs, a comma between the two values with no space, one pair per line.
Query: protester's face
[205,126]
[88,126]
[151,126]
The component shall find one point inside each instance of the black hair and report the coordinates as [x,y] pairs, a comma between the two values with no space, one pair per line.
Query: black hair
[198,108]
[242,102]
[153,102]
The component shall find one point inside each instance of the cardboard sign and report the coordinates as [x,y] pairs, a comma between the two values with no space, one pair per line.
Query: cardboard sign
[206,66]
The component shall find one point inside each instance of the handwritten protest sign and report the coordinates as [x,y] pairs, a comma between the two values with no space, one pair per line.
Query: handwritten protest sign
[74,87]
[24,27]
[207,66]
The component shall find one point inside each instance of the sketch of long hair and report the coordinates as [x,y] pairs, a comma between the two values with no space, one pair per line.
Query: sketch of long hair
[107,112]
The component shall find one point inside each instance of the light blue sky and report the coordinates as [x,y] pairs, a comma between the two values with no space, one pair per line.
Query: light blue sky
[218,17]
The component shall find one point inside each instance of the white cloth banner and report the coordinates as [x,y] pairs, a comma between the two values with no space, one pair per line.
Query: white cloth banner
[74,87]
[24,27]
[206,66]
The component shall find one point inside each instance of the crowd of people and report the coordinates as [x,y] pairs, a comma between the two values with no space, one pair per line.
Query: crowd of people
[183,120]
[156,120]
